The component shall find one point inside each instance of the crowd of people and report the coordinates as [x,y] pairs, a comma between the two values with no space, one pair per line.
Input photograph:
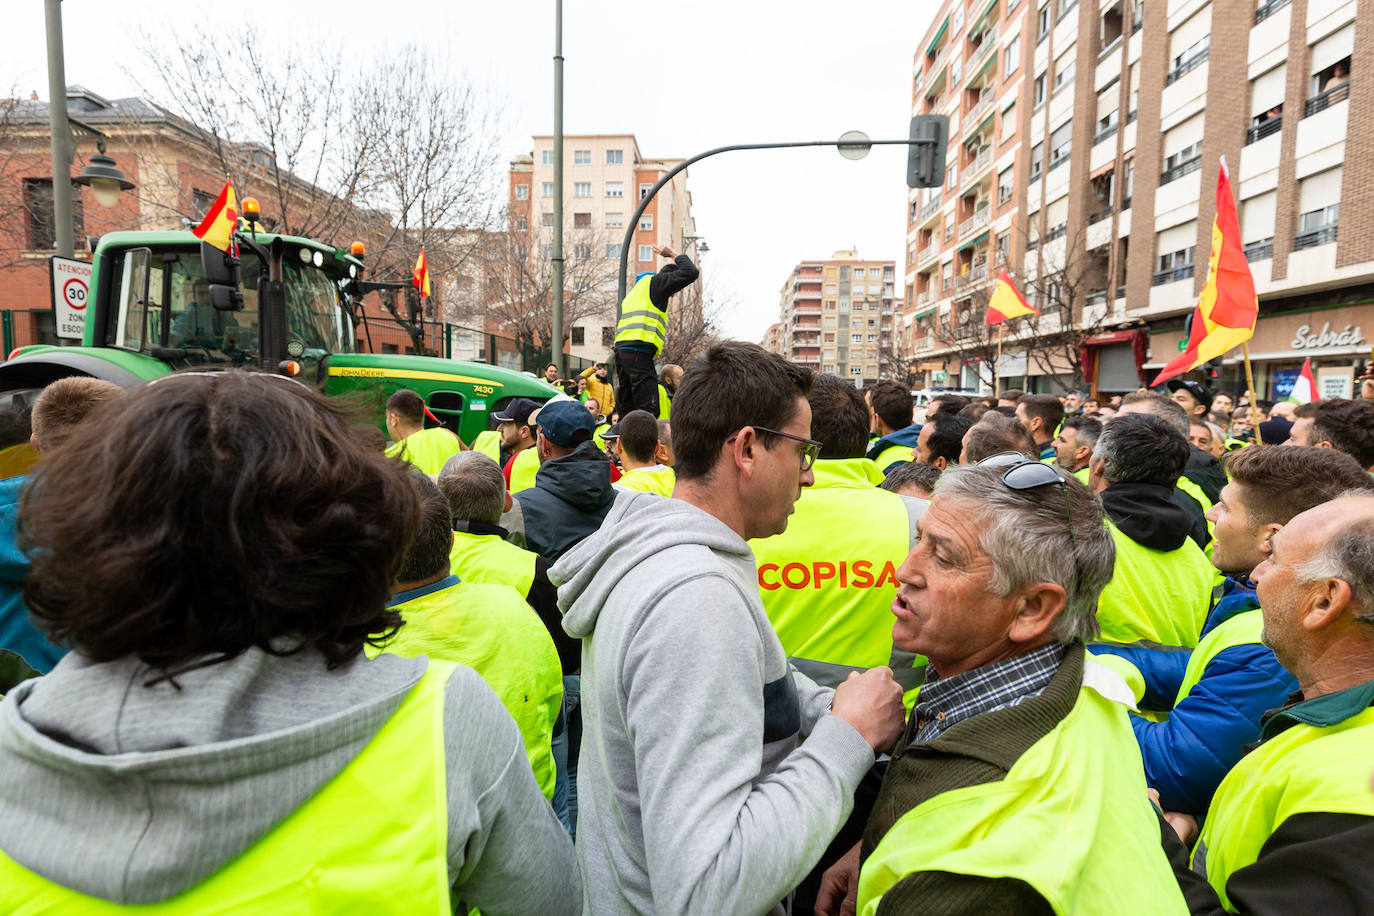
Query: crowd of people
[761,642]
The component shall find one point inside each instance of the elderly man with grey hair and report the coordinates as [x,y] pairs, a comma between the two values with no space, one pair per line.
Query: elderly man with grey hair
[477,498]
[1291,827]
[1017,785]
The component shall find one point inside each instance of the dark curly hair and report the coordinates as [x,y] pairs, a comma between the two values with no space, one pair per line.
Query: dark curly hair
[213,512]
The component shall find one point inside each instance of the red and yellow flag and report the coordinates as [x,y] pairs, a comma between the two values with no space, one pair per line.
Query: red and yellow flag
[220,221]
[420,279]
[1227,306]
[1007,301]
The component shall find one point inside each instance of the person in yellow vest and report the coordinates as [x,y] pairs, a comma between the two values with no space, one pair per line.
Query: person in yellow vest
[893,421]
[1073,446]
[427,449]
[1162,587]
[599,387]
[517,443]
[1016,786]
[1202,479]
[488,442]
[1291,827]
[642,327]
[1217,695]
[486,626]
[668,378]
[217,740]
[646,459]
[603,425]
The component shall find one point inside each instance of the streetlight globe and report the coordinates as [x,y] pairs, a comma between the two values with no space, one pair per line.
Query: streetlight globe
[104,179]
[105,191]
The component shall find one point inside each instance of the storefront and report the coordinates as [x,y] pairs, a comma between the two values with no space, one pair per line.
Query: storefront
[1333,338]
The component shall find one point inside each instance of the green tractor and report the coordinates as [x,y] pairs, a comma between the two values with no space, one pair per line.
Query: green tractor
[163,301]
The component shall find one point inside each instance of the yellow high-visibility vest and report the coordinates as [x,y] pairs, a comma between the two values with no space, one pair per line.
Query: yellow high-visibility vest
[523,470]
[640,320]
[374,839]
[659,480]
[427,449]
[1156,596]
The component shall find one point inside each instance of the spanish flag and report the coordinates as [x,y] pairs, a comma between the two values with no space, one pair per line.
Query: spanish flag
[1007,301]
[220,221]
[1227,308]
[420,279]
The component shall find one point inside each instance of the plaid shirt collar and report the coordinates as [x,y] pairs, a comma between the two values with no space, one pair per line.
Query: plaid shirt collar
[946,701]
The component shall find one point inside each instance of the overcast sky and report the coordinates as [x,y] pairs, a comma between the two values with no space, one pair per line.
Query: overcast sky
[682,77]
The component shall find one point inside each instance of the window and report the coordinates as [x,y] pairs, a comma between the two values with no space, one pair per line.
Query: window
[546,219]
[1003,248]
[844,305]
[1064,73]
[546,157]
[582,220]
[1006,185]
[613,189]
[646,223]
[1011,57]
[1039,90]
[1319,205]
[831,289]
[872,338]
[607,336]
[1188,159]
[1061,142]
[952,176]
[546,189]
[522,252]
[42,228]
[546,251]
[608,284]
[582,251]
[856,371]
[1037,154]
[644,190]
[615,157]
[1176,264]
[1064,8]
[522,192]
[582,189]
[582,157]
[1190,59]
[856,338]
[579,336]
[1111,26]
[615,220]
[612,249]
[522,223]
[858,273]
[1009,120]
[1042,24]
[646,253]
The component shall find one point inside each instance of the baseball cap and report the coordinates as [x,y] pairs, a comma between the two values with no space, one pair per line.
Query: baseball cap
[1196,389]
[1275,431]
[612,433]
[560,420]
[518,411]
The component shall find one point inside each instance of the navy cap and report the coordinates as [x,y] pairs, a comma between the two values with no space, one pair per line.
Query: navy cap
[560,420]
[612,433]
[1201,392]
[517,411]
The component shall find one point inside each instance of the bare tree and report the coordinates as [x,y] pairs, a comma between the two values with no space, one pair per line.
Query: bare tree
[1070,290]
[693,321]
[397,152]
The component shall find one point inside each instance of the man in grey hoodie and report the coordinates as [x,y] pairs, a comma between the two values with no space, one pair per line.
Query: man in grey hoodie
[712,774]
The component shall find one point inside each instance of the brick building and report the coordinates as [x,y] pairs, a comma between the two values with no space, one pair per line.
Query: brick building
[605,177]
[1085,141]
[838,317]
[170,162]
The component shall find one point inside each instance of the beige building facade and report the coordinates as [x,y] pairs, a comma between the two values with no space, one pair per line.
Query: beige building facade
[1104,125]
[838,316]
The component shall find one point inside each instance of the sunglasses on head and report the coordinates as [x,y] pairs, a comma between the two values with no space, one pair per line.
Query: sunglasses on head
[1024,473]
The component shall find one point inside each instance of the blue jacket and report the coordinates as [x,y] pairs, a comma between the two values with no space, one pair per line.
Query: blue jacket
[1187,755]
[906,437]
[17,632]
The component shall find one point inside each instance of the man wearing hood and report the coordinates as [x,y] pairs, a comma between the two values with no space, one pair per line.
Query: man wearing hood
[1162,584]
[712,775]
[572,488]
[1199,486]
[893,413]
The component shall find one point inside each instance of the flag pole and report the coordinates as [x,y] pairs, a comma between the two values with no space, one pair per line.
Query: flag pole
[997,366]
[1254,395]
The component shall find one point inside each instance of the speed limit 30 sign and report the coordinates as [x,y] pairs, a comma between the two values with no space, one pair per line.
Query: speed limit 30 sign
[71,287]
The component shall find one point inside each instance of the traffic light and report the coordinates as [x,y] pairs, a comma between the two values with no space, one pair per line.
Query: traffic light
[925,156]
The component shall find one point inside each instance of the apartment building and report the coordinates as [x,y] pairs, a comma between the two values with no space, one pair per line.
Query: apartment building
[605,177]
[772,338]
[1105,124]
[838,316]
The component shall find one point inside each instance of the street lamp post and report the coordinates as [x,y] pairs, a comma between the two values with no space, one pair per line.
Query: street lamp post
[105,180]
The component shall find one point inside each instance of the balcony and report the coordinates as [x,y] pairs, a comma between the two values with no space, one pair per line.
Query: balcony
[927,254]
[1057,232]
[975,276]
[936,67]
[974,118]
[798,293]
[1104,134]
[1324,100]
[925,298]
[1098,216]
[1262,250]
[1187,66]
[1265,129]
[977,166]
[1095,298]
[1322,235]
[984,49]
[922,343]
[978,220]
[930,208]
[1183,168]
[1268,9]
[1169,276]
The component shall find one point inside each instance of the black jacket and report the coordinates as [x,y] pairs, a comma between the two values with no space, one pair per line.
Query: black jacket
[1206,471]
[671,279]
[1147,514]
[570,498]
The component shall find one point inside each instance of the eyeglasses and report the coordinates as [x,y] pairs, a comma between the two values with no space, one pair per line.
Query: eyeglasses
[809,452]
[1023,473]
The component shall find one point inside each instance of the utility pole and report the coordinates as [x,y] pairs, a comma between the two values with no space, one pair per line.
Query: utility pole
[61,133]
[556,344]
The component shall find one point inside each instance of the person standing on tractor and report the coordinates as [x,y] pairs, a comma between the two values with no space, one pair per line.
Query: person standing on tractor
[641,330]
